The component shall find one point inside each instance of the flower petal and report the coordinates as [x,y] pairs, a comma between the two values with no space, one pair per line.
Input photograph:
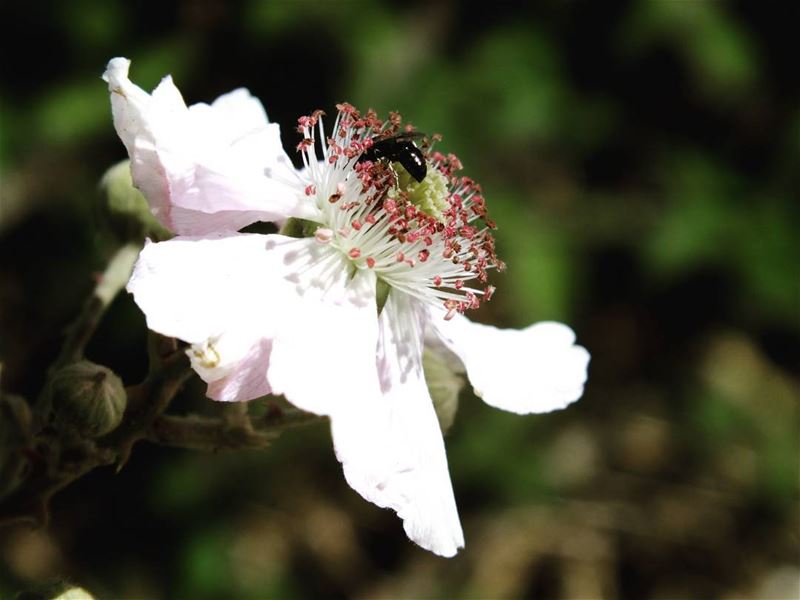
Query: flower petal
[390,445]
[248,379]
[413,478]
[385,430]
[532,370]
[221,294]
[324,349]
[204,159]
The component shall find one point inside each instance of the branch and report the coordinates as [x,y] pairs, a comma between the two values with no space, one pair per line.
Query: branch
[30,503]
[212,434]
[109,285]
[148,400]
[60,459]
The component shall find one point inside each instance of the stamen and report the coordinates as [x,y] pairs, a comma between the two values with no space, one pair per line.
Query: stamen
[323,235]
[432,239]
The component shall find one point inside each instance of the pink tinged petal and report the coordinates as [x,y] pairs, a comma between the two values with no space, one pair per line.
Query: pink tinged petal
[136,115]
[532,370]
[200,223]
[391,447]
[204,159]
[222,294]
[242,115]
[248,380]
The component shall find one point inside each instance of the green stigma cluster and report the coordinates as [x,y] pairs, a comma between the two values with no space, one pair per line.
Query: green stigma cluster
[429,195]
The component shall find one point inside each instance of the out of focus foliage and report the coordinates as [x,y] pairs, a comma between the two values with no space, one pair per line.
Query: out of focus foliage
[641,161]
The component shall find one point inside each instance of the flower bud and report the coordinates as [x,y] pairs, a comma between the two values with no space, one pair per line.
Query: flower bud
[87,399]
[124,208]
[444,385]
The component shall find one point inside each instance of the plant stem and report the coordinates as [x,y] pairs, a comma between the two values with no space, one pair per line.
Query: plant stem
[111,282]
[211,434]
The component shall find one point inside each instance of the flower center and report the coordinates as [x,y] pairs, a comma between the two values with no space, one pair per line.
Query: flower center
[431,238]
[429,195]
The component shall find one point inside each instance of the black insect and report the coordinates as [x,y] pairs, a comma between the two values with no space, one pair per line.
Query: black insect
[400,148]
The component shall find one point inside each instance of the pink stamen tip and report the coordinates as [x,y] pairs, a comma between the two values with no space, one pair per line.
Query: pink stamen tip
[437,281]
[400,257]
[310,190]
[370,262]
[354,253]
[356,224]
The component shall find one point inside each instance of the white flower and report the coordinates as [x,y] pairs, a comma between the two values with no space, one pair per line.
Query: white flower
[335,320]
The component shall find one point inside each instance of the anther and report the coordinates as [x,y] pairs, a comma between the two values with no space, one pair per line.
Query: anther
[323,235]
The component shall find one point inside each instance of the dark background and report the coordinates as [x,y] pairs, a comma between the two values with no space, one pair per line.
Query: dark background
[641,160]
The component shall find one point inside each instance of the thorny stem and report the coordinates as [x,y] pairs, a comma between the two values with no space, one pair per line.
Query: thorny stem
[58,461]
[108,286]
[203,433]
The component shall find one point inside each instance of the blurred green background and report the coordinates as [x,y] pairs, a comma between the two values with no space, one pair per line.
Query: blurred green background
[641,160]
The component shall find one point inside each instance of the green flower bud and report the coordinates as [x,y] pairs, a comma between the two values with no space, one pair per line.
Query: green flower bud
[125,210]
[87,399]
[444,385]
